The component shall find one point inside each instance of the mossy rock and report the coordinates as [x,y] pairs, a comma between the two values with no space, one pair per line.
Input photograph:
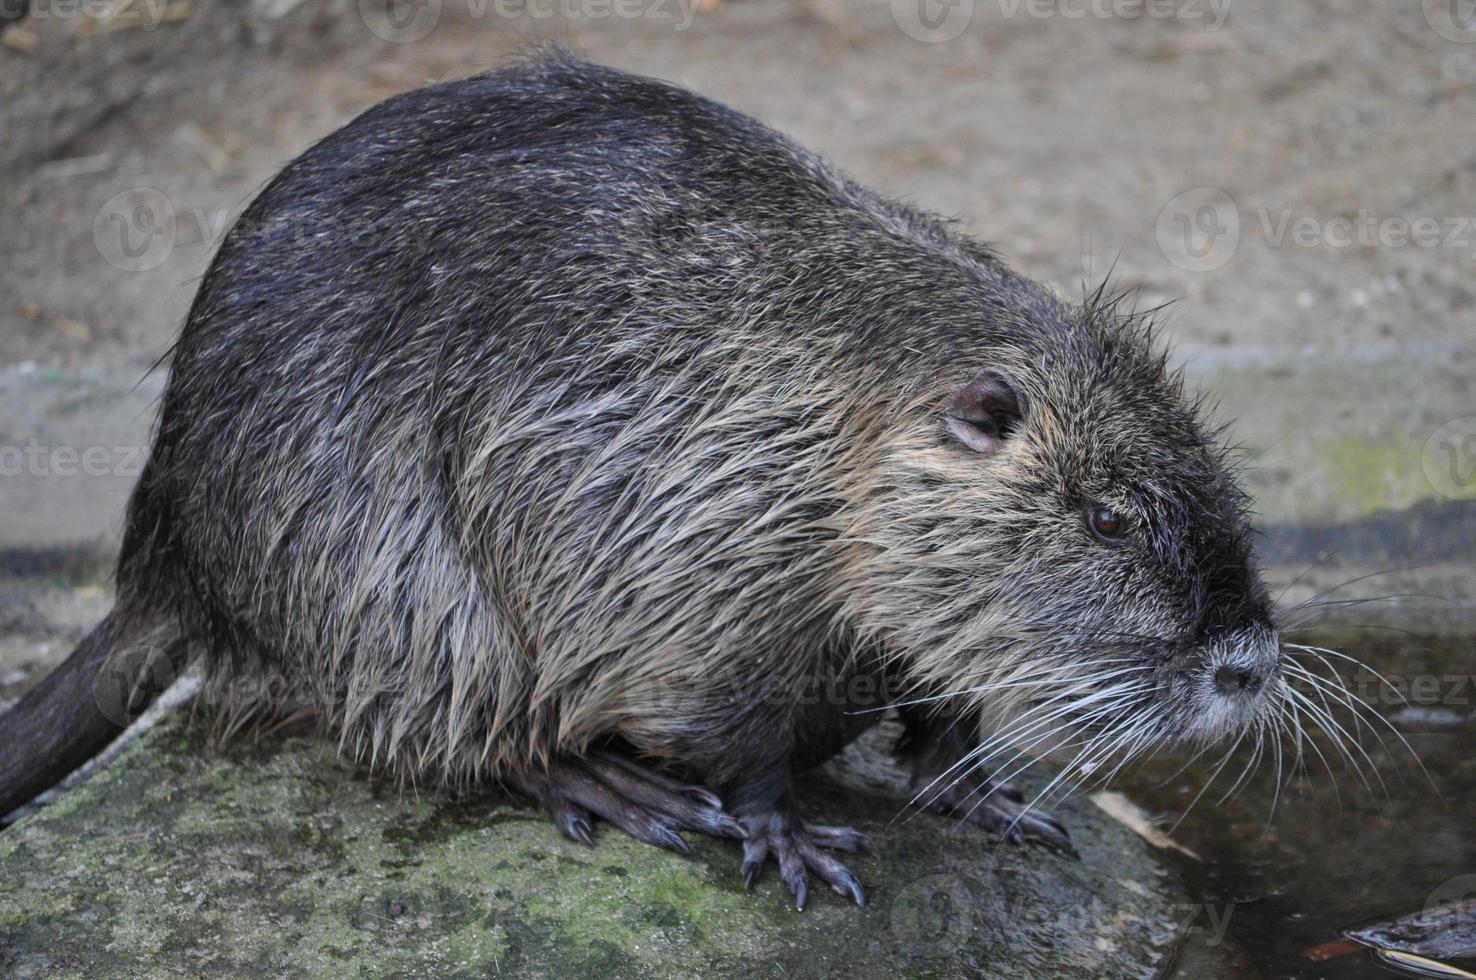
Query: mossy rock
[278,858]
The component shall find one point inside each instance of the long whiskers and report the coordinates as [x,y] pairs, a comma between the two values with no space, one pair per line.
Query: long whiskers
[1072,697]
[1109,716]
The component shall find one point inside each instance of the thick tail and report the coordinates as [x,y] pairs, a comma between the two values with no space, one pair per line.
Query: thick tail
[112,676]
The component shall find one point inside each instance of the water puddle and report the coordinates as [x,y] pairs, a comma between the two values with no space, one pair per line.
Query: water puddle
[1370,843]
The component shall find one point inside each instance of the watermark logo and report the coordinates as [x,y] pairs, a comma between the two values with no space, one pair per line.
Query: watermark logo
[405,21]
[932,21]
[1205,920]
[135,230]
[939,908]
[1449,459]
[37,460]
[1455,891]
[108,15]
[130,681]
[1210,13]
[943,910]
[1454,20]
[400,21]
[1396,690]
[1364,230]
[937,21]
[1199,229]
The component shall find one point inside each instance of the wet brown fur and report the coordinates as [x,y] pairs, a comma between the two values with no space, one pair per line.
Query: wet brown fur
[557,406]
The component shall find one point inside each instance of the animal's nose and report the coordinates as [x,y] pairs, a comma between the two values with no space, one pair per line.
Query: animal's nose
[1233,681]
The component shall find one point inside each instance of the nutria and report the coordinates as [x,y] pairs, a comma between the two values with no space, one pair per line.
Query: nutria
[562,429]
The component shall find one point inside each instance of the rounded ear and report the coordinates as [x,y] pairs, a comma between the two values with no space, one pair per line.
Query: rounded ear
[983,413]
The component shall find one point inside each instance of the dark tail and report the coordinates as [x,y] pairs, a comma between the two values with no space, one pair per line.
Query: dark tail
[112,676]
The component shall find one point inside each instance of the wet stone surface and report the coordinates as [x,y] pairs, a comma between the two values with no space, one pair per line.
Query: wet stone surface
[277,858]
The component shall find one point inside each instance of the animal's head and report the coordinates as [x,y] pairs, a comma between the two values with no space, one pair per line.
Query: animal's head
[1059,539]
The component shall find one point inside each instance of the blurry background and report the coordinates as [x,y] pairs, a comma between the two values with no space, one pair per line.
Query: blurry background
[1299,178]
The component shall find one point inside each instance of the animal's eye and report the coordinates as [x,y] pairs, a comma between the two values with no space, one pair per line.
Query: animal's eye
[1105,522]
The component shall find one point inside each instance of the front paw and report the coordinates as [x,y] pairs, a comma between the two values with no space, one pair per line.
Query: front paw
[799,848]
[1000,809]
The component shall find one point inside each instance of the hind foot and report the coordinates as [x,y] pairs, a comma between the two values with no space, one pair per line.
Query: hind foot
[764,805]
[646,805]
[799,849]
[1000,809]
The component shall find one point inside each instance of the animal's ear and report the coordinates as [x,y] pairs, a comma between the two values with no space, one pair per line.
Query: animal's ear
[983,413]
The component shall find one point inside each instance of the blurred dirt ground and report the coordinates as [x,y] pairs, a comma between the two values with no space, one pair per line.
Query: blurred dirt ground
[1251,160]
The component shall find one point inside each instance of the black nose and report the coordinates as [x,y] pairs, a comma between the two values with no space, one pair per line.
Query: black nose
[1231,681]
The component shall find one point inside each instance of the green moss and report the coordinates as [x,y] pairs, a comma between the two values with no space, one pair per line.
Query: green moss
[1331,439]
[1367,476]
[280,858]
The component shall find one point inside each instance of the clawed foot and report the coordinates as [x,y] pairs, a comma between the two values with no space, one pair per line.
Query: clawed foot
[800,848]
[1000,809]
[655,809]
[647,805]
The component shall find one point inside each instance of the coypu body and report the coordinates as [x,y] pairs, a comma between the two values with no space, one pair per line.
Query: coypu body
[554,419]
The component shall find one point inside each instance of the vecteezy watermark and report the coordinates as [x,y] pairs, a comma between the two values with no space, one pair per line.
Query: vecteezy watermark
[134,675]
[1210,13]
[135,230]
[36,459]
[406,21]
[932,21]
[943,910]
[1365,230]
[1449,459]
[141,228]
[1209,921]
[1200,230]
[1453,891]
[144,15]
[1420,690]
[937,21]
[1454,20]
[400,21]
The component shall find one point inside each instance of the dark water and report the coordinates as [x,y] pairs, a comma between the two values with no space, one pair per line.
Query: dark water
[1335,854]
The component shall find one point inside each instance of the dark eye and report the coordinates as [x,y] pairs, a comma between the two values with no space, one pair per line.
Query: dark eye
[1105,522]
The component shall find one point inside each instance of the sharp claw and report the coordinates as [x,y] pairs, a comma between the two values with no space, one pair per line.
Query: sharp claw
[1047,830]
[801,893]
[847,885]
[663,836]
[1062,843]
[843,839]
[800,850]
[702,797]
[580,830]
[1055,837]
[755,852]
[725,826]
